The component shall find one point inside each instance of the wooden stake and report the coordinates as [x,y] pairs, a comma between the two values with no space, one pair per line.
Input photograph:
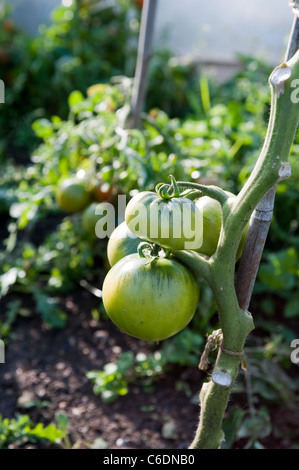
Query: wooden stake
[143,60]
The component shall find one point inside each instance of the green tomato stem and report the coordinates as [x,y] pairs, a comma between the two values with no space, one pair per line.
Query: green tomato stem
[145,250]
[206,190]
[195,262]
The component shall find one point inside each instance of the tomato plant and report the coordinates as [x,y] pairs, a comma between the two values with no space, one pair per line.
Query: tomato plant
[122,242]
[72,195]
[170,222]
[150,299]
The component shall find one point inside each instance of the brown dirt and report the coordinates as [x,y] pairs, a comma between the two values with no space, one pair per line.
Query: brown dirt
[50,365]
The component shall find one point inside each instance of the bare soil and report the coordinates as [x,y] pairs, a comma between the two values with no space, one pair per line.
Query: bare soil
[47,368]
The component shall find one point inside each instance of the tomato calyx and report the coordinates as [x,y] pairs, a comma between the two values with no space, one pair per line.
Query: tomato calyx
[168,191]
[152,251]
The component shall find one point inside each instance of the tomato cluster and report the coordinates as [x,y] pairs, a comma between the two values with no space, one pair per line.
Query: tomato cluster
[148,293]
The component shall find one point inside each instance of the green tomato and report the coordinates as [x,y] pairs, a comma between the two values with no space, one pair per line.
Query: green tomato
[96,217]
[121,243]
[212,222]
[174,223]
[150,300]
[72,195]
[90,219]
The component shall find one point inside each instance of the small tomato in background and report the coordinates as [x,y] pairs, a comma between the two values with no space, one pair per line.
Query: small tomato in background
[72,195]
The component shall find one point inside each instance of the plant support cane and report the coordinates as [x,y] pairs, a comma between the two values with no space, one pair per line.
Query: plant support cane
[219,270]
[143,60]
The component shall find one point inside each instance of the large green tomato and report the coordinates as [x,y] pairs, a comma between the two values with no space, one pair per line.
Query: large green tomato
[72,195]
[150,300]
[122,242]
[212,221]
[174,223]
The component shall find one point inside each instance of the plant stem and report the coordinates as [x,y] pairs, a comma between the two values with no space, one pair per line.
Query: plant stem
[206,190]
[236,325]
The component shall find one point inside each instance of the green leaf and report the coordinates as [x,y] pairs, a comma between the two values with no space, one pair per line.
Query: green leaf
[281,270]
[43,128]
[257,426]
[291,309]
[50,432]
[108,397]
[62,421]
[75,98]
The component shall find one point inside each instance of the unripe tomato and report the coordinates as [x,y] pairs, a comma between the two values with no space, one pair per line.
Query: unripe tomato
[72,195]
[98,219]
[150,300]
[212,221]
[122,243]
[171,223]
[89,219]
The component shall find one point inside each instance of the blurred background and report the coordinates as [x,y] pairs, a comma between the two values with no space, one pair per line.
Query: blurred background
[71,379]
[206,31]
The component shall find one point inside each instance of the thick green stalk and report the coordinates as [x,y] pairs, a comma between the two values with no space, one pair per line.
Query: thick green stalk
[236,324]
[271,167]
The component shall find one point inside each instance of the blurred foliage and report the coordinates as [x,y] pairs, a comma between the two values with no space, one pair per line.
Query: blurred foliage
[21,430]
[87,41]
[114,379]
